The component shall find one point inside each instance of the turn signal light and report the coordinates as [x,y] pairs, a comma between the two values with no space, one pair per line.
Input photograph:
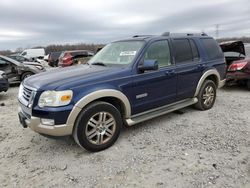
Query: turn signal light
[66,98]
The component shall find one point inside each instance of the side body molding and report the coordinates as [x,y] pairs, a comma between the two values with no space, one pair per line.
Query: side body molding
[203,78]
[97,95]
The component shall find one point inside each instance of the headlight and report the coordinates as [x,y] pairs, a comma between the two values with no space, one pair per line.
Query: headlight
[55,98]
[20,92]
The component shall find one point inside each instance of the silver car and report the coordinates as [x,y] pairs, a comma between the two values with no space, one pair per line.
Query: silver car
[17,71]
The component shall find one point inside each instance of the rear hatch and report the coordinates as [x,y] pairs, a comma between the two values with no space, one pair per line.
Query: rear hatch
[233,46]
[233,51]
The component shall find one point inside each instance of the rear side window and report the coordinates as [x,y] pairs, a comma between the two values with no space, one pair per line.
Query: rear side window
[183,52]
[212,48]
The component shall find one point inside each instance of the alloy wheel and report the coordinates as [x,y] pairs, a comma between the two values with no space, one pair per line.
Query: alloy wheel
[208,96]
[100,128]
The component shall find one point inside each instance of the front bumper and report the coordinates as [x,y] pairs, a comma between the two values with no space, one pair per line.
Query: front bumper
[35,124]
[4,85]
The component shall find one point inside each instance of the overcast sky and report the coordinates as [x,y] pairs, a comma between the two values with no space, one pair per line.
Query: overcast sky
[28,23]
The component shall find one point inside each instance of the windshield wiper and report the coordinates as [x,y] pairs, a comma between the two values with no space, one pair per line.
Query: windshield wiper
[99,63]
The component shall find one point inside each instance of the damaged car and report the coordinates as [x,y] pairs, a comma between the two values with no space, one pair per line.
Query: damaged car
[18,71]
[238,64]
[4,84]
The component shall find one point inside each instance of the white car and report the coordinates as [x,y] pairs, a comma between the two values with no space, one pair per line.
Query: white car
[33,53]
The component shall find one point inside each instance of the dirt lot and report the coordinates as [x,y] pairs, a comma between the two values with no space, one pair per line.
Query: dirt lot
[194,149]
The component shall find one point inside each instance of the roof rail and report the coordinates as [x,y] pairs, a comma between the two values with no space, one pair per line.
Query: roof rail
[166,33]
[184,34]
[136,36]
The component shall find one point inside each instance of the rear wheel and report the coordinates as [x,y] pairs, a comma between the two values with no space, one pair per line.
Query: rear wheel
[206,96]
[98,126]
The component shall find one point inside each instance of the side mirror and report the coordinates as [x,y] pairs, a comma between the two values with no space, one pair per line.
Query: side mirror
[149,65]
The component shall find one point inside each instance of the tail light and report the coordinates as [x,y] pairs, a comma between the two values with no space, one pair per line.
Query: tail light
[237,66]
[67,59]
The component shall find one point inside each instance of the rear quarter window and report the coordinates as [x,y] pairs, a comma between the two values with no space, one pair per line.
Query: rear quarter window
[212,48]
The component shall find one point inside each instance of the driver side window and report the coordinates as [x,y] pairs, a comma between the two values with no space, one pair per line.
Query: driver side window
[3,63]
[159,51]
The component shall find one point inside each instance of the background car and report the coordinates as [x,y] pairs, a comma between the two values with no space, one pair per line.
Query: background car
[54,58]
[69,58]
[18,71]
[33,53]
[19,58]
[238,64]
[4,84]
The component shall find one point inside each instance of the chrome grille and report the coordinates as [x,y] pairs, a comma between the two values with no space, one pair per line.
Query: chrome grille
[26,95]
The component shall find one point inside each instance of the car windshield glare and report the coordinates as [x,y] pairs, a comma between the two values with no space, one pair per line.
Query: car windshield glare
[117,53]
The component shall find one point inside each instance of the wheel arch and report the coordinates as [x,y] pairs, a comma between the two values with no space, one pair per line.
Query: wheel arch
[25,72]
[211,74]
[115,97]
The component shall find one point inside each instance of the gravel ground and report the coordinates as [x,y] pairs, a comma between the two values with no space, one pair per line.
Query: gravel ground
[194,149]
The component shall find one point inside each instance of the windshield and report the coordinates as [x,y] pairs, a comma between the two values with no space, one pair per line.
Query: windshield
[117,53]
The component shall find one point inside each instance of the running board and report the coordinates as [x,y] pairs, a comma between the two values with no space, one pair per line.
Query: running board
[160,111]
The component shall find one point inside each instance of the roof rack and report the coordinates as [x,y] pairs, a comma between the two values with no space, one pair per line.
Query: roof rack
[166,33]
[136,36]
[184,34]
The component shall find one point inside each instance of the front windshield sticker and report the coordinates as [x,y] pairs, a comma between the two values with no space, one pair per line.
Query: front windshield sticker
[128,53]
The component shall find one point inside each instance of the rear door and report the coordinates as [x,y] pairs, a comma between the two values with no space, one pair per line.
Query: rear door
[188,68]
[158,87]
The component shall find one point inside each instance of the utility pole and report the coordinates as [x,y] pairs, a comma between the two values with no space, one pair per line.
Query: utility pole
[217,31]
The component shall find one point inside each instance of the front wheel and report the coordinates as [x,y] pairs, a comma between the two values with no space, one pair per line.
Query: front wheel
[26,75]
[206,96]
[98,126]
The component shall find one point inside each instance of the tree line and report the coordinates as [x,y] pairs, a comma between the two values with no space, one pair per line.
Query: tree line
[95,47]
[58,48]
[243,39]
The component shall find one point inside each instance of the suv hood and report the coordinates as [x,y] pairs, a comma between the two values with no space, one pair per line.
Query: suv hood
[66,78]
[233,46]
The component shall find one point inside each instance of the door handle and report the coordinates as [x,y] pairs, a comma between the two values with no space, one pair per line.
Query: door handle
[170,72]
[201,65]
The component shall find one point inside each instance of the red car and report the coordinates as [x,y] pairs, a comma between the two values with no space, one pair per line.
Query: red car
[69,58]
[238,64]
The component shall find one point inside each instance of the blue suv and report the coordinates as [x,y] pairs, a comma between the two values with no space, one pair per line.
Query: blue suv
[127,82]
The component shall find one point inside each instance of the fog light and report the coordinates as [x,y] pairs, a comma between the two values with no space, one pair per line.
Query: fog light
[47,121]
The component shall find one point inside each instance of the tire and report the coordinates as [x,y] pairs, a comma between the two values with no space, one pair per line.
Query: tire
[91,133]
[248,84]
[206,96]
[26,75]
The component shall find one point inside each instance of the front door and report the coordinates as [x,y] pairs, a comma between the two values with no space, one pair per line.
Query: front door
[8,68]
[155,88]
